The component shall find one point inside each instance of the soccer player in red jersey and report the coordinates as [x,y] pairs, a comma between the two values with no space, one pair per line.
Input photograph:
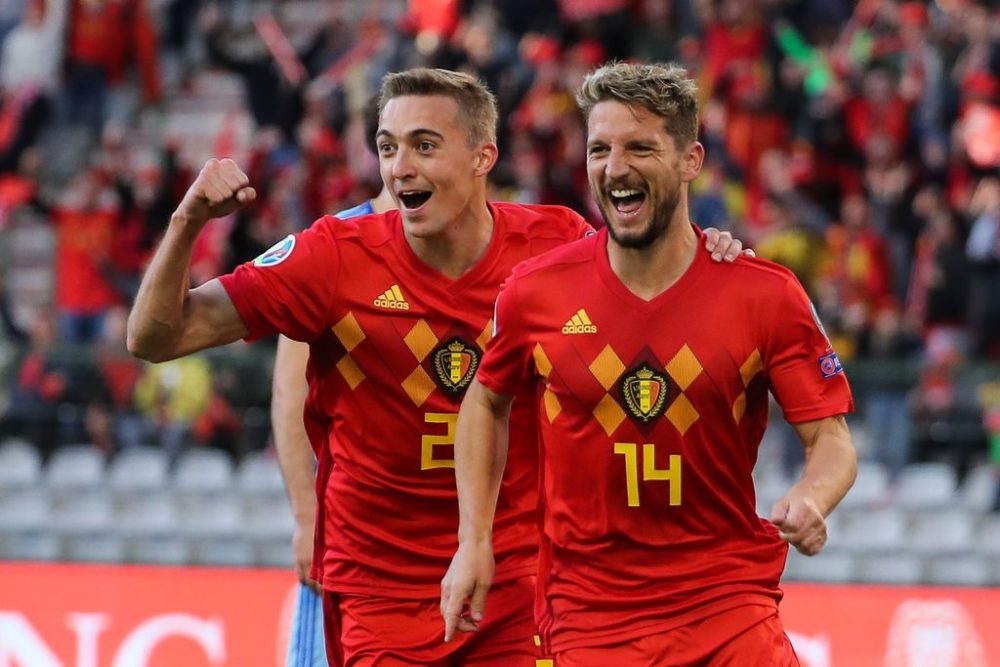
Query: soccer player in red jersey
[396,308]
[651,368]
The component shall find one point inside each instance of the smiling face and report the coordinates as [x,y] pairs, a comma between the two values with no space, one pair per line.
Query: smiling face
[636,171]
[435,173]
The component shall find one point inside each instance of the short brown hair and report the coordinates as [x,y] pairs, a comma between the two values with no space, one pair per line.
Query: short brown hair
[476,104]
[663,89]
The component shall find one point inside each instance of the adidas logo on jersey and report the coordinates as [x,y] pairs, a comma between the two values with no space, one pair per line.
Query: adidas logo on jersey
[579,324]
[393,299]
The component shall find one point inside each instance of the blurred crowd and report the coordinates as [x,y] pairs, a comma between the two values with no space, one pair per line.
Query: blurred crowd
[857,143]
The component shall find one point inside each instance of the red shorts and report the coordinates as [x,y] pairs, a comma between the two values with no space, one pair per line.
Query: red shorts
[741,637]
[376,631]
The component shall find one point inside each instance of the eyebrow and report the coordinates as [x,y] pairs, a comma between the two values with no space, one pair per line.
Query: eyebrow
[413,134]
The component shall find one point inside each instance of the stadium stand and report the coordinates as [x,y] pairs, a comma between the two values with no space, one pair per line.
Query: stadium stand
[97,464]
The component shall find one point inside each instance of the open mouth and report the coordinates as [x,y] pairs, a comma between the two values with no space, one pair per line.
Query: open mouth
[627,200]
[412,199]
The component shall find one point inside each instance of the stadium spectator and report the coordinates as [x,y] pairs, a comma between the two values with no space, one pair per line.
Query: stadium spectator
[983,252]
[86,219]
[894,341]
[172,397]
[106,38]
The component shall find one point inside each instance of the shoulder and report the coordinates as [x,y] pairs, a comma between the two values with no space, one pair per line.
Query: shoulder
[569,257]
[756,274]
[372,229]
[540,221]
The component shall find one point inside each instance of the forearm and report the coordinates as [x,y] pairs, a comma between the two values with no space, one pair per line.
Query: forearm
[480,458]
[295,454]
[831,465]
[157,318]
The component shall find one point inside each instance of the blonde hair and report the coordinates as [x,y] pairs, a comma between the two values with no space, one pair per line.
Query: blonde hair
[663,89]
[477,106]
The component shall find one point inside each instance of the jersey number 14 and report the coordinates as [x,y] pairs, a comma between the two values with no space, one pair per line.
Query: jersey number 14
[650,473]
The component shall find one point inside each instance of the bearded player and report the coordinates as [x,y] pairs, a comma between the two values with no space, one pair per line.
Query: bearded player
[651,368]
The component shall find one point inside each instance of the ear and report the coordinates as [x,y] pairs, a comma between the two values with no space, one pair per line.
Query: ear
[486,158]
[691,161]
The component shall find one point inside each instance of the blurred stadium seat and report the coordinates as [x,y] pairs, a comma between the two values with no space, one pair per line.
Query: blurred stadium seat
[870,488]
[96,549]
[988,539]
[151,516]
[872,531]
[172,550]
[926,486]
[25,514]
[233,552]
[827,567]
[966,570]
[37,547]
[258,476]
[222,518]
[900,567]
[75,469]
[979,489]
[20,465]
[203,474]
[946,532]
[86,515]
[138,471]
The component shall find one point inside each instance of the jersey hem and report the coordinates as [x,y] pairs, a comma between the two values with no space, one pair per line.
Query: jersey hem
[811,414]
[595,639]
[379,589]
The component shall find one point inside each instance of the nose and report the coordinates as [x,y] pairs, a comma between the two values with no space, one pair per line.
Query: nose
[616,164]
[401,167]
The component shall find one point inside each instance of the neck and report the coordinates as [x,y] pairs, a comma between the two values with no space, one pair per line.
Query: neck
[650,271]
[383,202]
[457,249]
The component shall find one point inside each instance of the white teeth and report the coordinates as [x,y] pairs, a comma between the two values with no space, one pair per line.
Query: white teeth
[624,193]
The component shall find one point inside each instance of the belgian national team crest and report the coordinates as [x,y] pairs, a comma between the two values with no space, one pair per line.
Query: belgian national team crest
[645,392]
[455,365]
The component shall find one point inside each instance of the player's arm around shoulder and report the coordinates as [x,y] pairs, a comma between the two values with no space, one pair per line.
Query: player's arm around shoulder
[168,319]
[830,469]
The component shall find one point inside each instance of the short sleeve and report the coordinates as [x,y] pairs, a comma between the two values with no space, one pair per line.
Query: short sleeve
[804,372]
[290,288]
[507,365]
[580,226]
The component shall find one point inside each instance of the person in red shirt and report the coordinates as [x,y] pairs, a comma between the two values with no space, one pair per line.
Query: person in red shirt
[651,368]
[396,308]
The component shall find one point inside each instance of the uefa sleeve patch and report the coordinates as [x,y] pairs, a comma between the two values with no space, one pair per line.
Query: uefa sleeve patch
[277,253]
[829,365]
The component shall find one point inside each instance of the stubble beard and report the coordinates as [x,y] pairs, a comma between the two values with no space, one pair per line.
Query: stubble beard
[658,224]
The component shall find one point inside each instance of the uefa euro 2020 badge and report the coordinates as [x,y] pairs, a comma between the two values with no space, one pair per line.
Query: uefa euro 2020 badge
[277,253]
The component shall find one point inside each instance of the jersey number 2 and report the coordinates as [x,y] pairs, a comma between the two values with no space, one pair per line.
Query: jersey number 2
[428,442]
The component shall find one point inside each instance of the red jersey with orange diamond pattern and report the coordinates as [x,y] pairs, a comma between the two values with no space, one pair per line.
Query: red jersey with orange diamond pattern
[393,346]
[651,417]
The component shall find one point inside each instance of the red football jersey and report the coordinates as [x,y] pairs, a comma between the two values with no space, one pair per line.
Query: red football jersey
[393,346]
[651,417]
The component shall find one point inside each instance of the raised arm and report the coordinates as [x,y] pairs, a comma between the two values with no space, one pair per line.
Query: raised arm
[480,457]
[829,472]
[295,455]
[168,319]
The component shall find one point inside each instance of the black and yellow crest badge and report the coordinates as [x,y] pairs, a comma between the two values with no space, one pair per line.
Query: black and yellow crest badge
[645,392]
[455,364]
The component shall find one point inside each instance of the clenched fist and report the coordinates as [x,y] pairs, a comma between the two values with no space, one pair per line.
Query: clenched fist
[800,522]
[220,189]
